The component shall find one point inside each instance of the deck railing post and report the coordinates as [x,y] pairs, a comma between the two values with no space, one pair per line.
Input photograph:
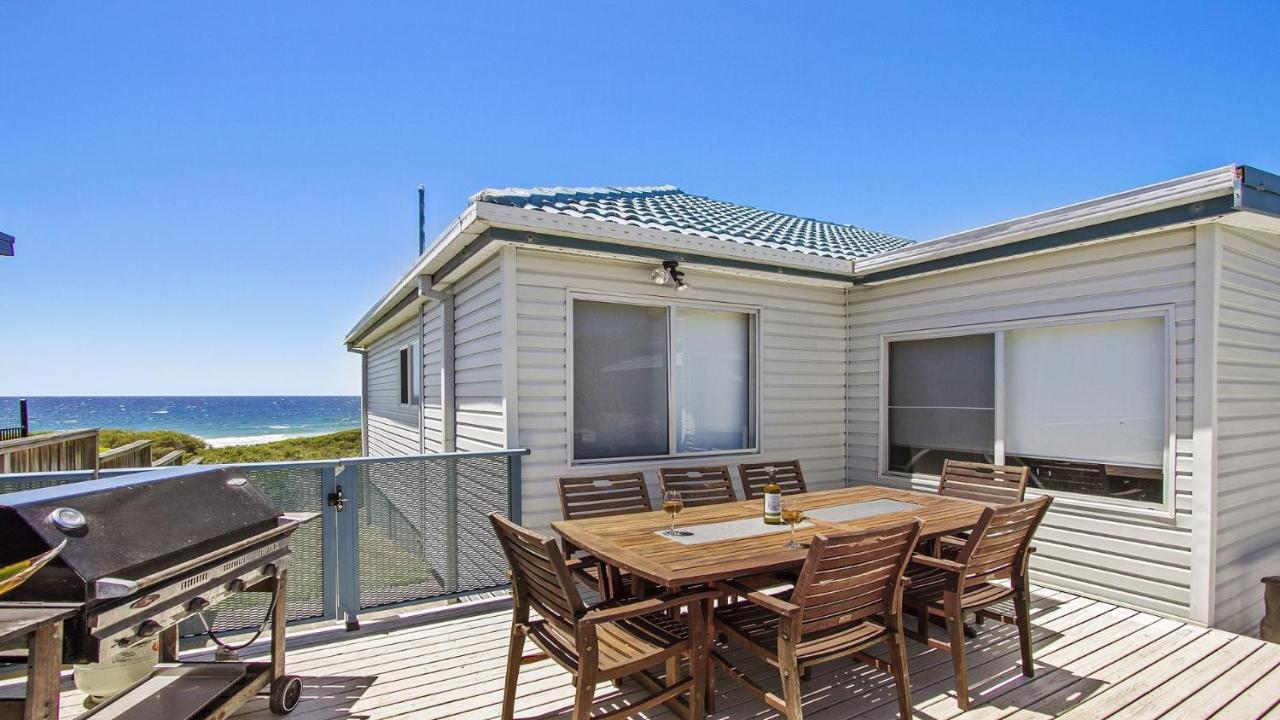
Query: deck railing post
[451,524]
[22,417]
[513,488]
[348,544]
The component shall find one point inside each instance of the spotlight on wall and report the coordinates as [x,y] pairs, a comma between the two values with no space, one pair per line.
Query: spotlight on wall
[669,274]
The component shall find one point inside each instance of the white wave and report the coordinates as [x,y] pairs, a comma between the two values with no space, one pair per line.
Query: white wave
[279,427]
[159,412]
[245,440]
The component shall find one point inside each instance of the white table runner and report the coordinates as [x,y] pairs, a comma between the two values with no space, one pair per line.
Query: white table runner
[858,510]
[755,526]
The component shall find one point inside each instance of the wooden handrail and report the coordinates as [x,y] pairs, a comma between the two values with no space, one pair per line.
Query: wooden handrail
[173,457]
[51,452]
[131,455]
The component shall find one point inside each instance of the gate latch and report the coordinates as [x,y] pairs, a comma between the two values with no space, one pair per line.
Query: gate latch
[337,499]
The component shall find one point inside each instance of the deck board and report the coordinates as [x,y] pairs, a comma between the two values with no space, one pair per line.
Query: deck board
[1093,660]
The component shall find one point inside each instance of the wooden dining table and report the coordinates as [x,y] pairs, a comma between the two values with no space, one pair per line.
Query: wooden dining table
[631,542]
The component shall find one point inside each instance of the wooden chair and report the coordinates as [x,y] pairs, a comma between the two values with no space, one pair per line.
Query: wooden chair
[994,484]
[605,642]
[848,598]
[755,476]
[999,548]
[601,496]
[698,485]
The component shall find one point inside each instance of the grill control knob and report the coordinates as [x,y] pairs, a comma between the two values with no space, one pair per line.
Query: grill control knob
[236,585]
[147,628]
[196,604]
[269,569]
[67,519]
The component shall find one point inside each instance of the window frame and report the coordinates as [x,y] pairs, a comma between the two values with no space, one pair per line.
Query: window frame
[755,347]
[1164,508]
[409,389]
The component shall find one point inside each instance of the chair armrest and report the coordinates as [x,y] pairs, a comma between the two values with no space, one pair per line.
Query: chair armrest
[612,611]
[952,540]
[937,563]
[756,597]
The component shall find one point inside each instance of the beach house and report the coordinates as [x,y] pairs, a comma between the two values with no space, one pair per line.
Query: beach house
[1126,349]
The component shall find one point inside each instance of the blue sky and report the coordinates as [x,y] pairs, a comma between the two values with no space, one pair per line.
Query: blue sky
[207,196]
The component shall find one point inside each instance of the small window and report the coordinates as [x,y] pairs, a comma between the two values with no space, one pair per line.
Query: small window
[409,378]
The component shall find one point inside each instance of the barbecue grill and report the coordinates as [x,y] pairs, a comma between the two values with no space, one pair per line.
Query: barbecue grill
[144,552]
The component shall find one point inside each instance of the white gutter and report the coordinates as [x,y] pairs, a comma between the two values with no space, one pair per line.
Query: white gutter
[1170,193]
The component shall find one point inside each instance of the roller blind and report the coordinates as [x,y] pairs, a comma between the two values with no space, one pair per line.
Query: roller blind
[712,358]
[619,380]
[1090,392]
[942,394]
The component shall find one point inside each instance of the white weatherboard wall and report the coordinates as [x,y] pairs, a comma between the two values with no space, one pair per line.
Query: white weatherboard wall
[478,377]
[393,428]
[803,341]
[1142,559]
[1248,438]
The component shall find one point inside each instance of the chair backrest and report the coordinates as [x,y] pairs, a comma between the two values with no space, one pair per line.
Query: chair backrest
[539,577]
[850,576]
[602,495]
[755,476]
[698,485]
[995,484]
[1001,541]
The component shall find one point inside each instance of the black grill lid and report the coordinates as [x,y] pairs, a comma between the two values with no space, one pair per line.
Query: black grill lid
[127,527]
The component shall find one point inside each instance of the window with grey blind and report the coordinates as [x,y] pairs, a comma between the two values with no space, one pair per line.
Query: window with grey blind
[1083,403]
[660,380]
[941,402]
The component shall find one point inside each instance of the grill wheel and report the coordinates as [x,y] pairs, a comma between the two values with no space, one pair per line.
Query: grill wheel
[286,691]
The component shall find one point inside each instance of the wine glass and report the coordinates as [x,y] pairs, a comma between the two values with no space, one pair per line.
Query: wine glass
[672,503]
[792,514]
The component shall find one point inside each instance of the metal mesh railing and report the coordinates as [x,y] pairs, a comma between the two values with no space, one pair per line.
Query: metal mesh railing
[423,528]
[413,529]
[291,490]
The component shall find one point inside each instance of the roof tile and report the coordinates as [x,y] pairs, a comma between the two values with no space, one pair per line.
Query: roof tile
[666,207]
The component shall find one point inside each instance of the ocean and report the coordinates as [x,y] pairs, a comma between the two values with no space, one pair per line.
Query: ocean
[220,420]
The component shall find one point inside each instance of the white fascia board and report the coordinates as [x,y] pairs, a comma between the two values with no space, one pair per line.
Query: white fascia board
[592,229]
[1170,193]
[459,234]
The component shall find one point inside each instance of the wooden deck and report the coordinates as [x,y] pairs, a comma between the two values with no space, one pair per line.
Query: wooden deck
[1093,660]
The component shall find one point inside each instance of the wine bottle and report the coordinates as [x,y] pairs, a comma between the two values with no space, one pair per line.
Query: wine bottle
[772,500]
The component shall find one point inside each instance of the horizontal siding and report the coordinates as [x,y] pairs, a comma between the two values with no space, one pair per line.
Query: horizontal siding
[802,334]
[477,331]
[1132,558]
[393,428]
[1248,501]
[432,367]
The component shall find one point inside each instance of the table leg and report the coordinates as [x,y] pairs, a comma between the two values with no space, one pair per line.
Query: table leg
[44,665]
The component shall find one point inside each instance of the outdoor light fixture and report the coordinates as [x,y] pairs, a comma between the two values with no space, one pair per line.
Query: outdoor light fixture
[669,274]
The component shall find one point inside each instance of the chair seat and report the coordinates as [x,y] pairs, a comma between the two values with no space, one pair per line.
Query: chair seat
[625,646]
[751,623]
[928,585]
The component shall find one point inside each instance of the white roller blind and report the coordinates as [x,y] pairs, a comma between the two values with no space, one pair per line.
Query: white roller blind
[713,409]
[1090,392]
